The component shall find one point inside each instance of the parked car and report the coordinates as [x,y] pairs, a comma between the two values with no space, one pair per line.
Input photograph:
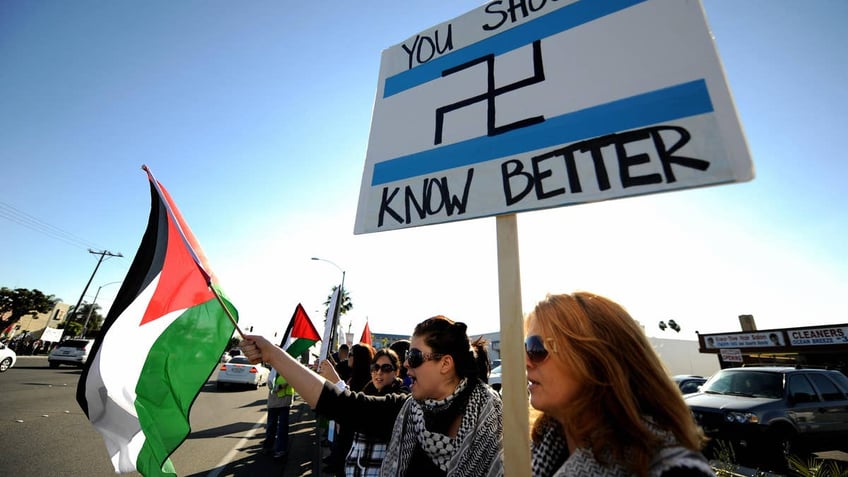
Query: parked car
[495,378]
[73,351]
[238,370]
[7,358]
[773,412]
[688,383]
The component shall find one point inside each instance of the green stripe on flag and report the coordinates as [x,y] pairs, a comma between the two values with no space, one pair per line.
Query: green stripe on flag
[299,346]
[178,365]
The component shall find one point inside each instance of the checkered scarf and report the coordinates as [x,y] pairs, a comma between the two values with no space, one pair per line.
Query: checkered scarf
[550,457]
[475,451]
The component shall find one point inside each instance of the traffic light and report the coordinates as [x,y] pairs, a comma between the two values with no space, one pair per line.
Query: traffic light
[673,325]
[662,325]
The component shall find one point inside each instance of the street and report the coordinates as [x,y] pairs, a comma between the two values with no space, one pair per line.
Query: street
[44,431]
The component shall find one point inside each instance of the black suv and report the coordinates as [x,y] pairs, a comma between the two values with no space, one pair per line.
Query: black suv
[773,412]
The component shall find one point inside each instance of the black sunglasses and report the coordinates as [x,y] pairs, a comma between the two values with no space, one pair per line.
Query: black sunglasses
[385,367]
[534,346]
[416,357]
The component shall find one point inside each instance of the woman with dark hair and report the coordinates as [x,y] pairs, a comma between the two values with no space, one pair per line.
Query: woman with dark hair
[401,347]
[450,425]
[359,362]
[606,405]
[366,452]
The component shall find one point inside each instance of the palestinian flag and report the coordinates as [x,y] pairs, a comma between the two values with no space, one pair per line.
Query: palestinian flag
[160,342]
[300,335]
[366,335]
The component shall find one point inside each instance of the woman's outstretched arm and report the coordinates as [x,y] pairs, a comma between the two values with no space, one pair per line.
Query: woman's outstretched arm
[305,381]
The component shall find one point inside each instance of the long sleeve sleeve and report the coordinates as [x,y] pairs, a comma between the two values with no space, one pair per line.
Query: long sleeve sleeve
[371,415]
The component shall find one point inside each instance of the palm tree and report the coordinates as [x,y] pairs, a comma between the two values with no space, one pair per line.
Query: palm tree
[346,304]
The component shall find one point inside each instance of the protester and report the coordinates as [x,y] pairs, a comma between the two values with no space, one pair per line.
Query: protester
[359,362]
[401,347]
[450,425]
[340,357]
[366,452]
[607,406]
[280,395]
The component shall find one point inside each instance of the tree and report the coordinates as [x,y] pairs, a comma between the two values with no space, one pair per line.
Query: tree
[87,311]
[346,304]
[17,303]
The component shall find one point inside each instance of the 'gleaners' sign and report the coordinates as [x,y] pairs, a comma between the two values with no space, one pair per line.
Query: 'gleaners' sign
[527,105]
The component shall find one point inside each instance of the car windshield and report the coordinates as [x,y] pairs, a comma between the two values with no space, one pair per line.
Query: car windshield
[239,360]
[496,370]
[80,344]
[746,383]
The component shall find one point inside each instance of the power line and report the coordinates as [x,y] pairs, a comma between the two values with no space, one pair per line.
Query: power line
[20,217]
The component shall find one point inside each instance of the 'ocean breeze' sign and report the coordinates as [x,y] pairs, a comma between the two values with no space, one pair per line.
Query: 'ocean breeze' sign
[522,105]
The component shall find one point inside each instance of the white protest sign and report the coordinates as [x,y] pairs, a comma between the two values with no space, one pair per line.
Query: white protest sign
[52,334]
[518,106]
[329,322]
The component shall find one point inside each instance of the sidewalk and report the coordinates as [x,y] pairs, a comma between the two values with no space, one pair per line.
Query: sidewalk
[305,452]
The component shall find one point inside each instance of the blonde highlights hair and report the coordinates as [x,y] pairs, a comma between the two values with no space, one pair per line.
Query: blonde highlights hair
[622,380]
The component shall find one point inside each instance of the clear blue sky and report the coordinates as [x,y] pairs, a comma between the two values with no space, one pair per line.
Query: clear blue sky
[255,115]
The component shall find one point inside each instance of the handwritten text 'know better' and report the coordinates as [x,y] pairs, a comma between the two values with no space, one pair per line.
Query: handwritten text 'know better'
[554,173]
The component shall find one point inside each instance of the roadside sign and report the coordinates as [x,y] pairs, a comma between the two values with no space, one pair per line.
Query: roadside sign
[731,355]
[519,106]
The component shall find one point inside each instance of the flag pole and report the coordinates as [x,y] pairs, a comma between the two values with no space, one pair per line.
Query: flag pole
[226,310]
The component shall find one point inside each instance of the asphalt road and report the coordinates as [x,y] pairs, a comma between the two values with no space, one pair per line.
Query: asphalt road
[44,432]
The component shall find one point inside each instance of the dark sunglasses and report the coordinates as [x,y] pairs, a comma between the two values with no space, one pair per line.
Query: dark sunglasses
[534,346]
[385,367]
[416,357]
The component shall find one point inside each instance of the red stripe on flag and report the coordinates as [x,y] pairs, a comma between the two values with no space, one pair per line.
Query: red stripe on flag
[303,327]
[180,283]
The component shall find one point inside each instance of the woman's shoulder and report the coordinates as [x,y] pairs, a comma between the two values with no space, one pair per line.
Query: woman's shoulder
[683,471]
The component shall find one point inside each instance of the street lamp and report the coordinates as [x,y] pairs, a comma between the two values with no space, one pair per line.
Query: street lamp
[339,302]
[91,308]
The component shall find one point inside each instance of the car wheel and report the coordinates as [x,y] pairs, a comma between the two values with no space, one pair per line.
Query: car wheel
[5,364]
[54,364]
[785,445]
[219,385]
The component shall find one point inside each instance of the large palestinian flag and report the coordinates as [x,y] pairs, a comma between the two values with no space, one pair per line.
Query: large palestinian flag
[160,342]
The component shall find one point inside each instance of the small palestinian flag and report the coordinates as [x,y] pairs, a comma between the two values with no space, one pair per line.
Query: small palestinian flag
[160,342]
[300,334]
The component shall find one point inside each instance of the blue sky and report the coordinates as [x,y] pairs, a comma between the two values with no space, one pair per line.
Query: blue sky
[256,116]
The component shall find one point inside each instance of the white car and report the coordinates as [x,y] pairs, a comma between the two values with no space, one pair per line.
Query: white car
[495,378]
[74,352]
[7,358]
[238,370]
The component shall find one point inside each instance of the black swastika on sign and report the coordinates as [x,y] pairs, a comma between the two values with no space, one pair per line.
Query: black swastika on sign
[492,92]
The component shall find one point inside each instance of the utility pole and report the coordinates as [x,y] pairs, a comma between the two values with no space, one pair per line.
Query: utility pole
[103,254]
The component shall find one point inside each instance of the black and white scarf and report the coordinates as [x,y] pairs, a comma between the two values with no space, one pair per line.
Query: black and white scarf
[476,449]
[550,457]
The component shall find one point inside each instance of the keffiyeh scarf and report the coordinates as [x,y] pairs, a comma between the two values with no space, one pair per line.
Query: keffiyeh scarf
[474,451]
[550,457]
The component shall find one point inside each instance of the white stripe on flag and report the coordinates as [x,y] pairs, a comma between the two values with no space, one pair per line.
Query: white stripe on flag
[113,377]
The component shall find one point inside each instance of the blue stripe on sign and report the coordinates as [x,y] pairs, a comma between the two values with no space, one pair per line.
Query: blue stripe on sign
[674,102]
[565,18]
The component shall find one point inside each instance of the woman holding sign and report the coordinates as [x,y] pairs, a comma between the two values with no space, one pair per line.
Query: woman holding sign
[450,425]
[604,402]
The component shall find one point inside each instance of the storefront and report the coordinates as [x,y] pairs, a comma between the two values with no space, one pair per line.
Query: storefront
[813,346]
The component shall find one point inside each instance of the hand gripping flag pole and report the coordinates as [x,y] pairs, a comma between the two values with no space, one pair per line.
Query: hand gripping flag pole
[190,246]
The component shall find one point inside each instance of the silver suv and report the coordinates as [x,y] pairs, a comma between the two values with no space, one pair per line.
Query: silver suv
[73,352]
[773,412]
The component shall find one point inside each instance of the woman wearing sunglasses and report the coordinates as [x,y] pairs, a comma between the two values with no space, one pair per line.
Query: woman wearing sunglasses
[605,404]
[450,424]
[366,453]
